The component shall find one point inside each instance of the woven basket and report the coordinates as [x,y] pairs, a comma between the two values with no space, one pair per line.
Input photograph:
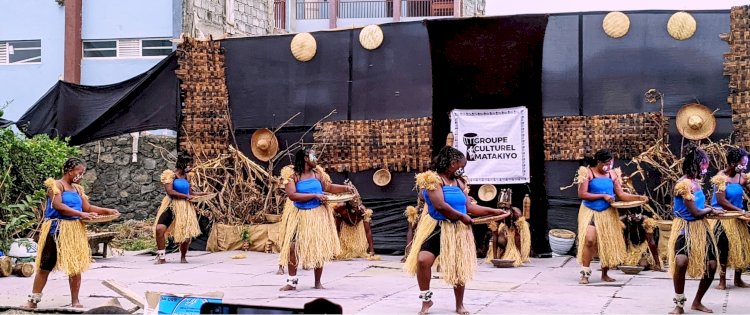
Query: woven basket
[616,24]
[560,233]
[371,37]
[303,47]
[102,219]
[681,26]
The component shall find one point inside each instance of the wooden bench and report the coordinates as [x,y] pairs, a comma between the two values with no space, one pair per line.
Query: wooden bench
[100,238]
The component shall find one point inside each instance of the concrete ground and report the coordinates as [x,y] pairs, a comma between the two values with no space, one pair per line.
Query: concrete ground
[379,287]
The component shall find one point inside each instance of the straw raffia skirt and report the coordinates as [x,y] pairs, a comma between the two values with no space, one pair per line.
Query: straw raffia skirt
[458,258]
[699,245]
[353,241]
[609,239]
[512,252]
[73,251]
[184,226]
[738,239]
[313,234]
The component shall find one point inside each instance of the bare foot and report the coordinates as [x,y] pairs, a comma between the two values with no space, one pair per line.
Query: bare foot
[461,310]
[740,284]
[319,286]
[657,269]
[677,310]
[425,307]
[584,280]
[160,261]
[701,308]
[608,279]
[29,305]
[288,288]
[722,285]
[281,271]
[76,305]
[183,260]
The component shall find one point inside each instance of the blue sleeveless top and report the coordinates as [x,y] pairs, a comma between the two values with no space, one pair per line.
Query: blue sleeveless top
[681,210]
[69,198]
[733,194]
[453,195]
[309,186]
[181,185]
[600,185]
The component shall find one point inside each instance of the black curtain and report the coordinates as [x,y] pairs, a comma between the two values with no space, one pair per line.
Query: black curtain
[485,63]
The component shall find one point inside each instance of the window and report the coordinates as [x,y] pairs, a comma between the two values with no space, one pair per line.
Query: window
[21,51]
[127,48]
[100,48]
[155,47]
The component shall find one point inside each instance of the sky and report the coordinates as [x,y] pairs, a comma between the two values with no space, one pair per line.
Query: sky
[510,7]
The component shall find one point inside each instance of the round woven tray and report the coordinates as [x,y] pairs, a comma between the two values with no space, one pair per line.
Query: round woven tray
[488,219]
[725,216]
[303,47]
[681,26]
[371,37]
[102,218]
[203,198]
[503,263]
[627,204]
[272,218]
[560,233]
[340,197]
[616,24]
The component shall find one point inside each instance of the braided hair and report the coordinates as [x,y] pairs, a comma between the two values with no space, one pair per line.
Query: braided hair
[735,155]
[694,157]
[299,160]
[183,160]
[445,157]
[71,163]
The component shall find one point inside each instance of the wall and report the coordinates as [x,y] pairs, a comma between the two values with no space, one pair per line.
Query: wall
[24,84]
[114,181]
[114,20]
[202,18]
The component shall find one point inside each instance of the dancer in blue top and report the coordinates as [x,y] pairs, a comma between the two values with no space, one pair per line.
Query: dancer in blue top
[599,227]
[732,236]
[308,228]
[444,231]
[692,248]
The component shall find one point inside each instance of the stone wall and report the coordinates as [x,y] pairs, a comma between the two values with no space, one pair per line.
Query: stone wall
[473,7]
[114,181]
[202,18]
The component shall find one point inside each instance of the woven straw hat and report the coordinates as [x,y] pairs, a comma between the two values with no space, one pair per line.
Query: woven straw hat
[616,24]
[264,145]
[681,25]
[371,37]
[695,121]
[304,47]
[487,192]
[381,177]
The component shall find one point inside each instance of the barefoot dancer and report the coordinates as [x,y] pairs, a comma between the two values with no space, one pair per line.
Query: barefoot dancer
[310,237]
[63,244]
[692,248]
[599,226]
[440,234]
[177,216]
[355,233]
[732,236]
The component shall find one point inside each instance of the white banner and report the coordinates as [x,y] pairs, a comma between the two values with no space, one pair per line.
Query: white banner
[496,144]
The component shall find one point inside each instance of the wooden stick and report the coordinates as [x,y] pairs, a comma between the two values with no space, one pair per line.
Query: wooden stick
[125,292]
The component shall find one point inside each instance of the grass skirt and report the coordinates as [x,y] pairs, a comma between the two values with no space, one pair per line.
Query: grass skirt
[697,244]
[313,234]
[738,235]
[609,239]
[185,223]
[458,259]
[512,252]
[353,241]
[73,251]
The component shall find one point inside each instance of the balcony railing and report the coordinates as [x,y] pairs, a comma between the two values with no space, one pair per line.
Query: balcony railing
[279,14]
[313,10]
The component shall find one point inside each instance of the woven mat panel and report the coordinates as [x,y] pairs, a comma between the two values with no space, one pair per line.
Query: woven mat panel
[572,137]
[206,124]
[737,67]
[401,145]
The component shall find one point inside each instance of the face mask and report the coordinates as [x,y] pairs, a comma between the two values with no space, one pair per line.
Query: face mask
[77,178]
[605,168]
[703,172]
[312,158]
[458,172]
[739,168]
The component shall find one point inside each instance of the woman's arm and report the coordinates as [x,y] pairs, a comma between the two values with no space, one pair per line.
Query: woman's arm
[337,189]
[173,193]
[622,195]
[88,207]
[721,197]
[698,213]
[436,197]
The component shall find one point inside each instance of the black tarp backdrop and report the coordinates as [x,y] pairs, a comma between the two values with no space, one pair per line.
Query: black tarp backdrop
[586,72]
[267,86]
[484,63]
[148,101]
